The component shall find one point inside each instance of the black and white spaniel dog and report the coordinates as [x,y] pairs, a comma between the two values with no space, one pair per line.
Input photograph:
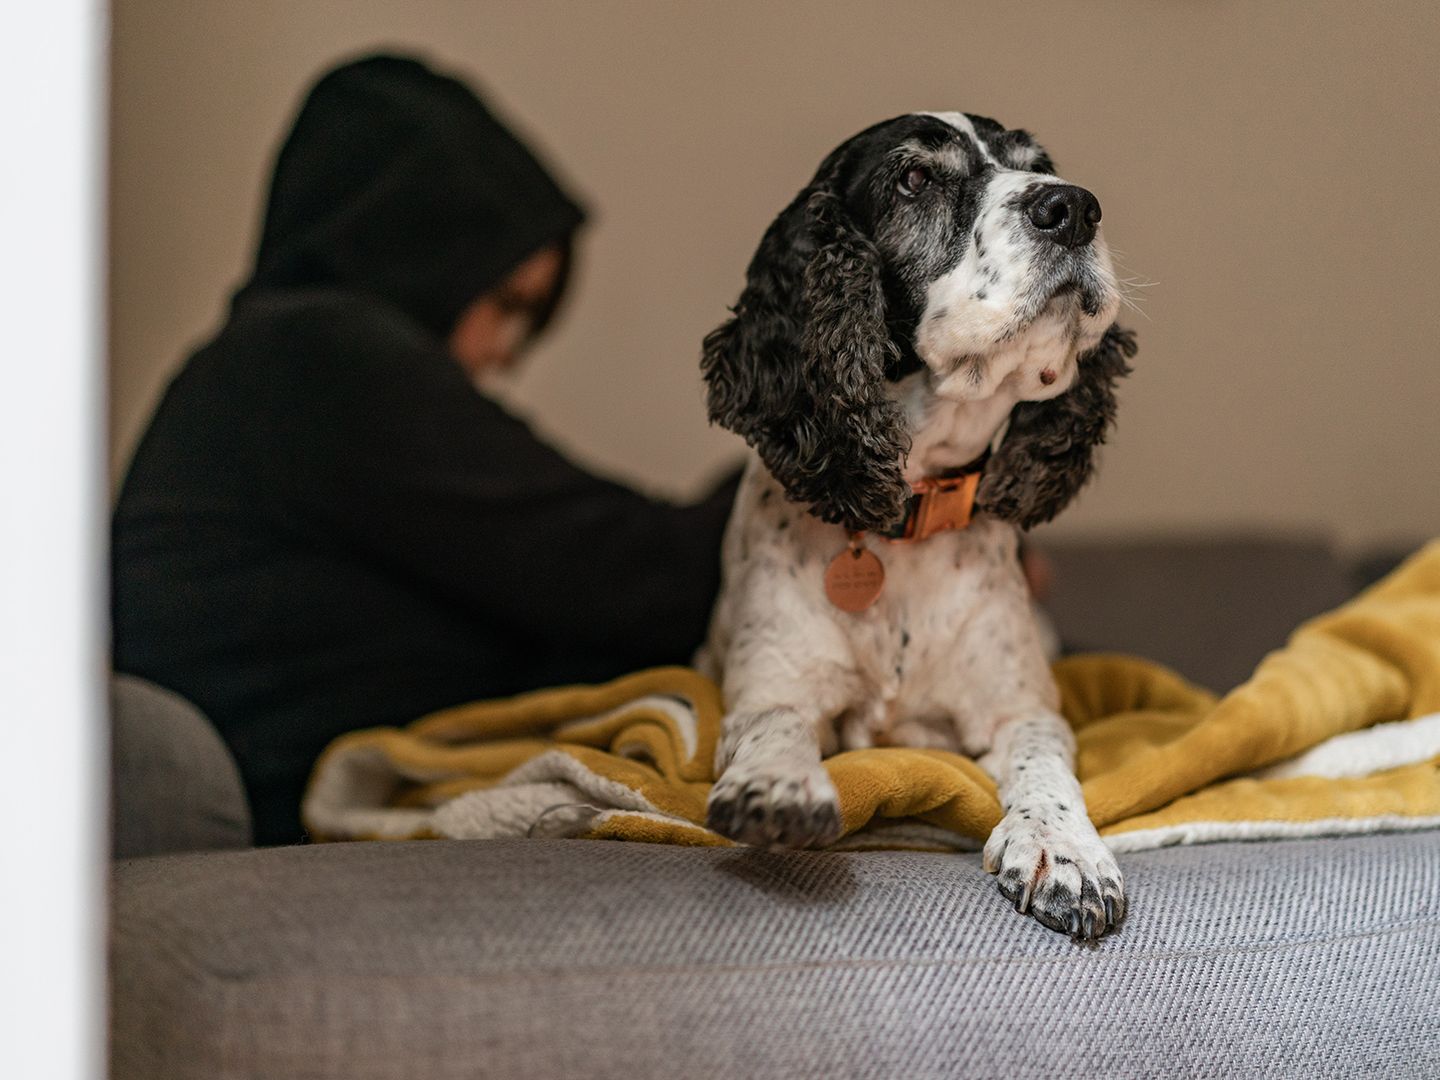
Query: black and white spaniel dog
[926,329]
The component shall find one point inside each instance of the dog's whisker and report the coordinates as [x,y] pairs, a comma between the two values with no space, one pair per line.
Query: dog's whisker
[1125,300]
[1129,300]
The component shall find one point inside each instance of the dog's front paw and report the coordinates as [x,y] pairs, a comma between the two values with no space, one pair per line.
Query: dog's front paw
[778,804]
[1059,871]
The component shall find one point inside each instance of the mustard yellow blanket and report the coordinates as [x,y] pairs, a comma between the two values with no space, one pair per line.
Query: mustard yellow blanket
[1338,732]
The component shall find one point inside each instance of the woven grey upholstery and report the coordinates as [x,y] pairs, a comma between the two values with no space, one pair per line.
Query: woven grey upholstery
[174,785]
[1176,601]
[574,958]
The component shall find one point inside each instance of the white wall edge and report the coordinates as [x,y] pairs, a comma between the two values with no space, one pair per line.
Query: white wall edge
[53,735]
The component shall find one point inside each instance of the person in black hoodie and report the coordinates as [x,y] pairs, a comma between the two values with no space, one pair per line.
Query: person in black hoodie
[325,526]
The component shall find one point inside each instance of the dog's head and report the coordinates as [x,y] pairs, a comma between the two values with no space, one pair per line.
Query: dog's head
[934,243]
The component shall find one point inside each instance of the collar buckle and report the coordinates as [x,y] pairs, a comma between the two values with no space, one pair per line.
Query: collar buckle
[939,504]
[944,503]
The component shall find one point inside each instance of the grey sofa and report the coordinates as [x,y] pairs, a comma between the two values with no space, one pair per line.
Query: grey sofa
[438,959]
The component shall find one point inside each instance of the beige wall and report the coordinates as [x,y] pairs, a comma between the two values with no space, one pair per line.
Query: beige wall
[1270,167]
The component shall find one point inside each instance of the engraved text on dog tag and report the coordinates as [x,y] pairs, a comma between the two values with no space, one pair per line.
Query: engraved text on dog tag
[854,578]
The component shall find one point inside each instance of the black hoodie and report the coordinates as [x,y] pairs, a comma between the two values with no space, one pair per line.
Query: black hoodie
[325,526]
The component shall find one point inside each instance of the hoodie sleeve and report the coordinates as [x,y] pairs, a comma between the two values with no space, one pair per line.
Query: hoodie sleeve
[387,448]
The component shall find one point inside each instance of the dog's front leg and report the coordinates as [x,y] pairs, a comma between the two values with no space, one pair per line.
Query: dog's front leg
[772,790]
[1046,854]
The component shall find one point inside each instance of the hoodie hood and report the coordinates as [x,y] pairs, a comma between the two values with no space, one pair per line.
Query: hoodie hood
[398,181]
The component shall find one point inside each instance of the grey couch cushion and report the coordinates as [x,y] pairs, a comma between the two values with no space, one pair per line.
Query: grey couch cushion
[1210,609]
[555,958]
[174,785]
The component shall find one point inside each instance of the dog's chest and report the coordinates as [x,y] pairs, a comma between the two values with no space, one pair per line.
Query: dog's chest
[910,660]
[914,645]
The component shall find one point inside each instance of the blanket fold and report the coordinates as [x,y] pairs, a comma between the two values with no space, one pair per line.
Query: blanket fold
[1337,732]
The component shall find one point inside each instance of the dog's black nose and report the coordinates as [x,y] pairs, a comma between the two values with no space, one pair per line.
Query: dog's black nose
[1065,213]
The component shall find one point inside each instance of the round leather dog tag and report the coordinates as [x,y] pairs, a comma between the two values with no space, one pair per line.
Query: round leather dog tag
[854,578]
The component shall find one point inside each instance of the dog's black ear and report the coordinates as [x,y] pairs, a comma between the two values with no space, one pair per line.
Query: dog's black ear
[799,371]
[1048,452]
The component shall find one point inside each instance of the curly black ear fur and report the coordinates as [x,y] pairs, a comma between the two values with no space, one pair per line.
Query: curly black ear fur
[799,370]
[1049,450]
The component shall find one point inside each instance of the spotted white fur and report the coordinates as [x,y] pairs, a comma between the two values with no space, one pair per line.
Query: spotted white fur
[949,656]
[948,430]
[980,332]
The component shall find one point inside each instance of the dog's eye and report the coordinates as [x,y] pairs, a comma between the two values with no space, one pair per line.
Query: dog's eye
[914,181]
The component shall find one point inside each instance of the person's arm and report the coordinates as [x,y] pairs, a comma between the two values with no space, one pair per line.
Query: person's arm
[386,446]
